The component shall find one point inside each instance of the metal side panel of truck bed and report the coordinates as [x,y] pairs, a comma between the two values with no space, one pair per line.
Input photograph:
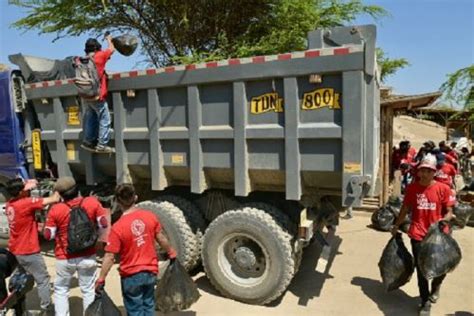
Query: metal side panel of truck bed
[302,123]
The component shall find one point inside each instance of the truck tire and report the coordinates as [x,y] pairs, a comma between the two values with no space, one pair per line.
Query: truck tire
[193,216]
[247,256]
[180,221]
[287,224]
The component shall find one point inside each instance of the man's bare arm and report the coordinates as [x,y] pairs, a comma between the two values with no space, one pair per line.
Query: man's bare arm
[110,44]
[107,263]
[54,198]
[164,243]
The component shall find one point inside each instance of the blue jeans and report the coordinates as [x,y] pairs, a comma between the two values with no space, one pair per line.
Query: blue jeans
[138,293]
[96,123]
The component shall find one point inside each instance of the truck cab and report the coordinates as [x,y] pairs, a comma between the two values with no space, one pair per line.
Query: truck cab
[12,125]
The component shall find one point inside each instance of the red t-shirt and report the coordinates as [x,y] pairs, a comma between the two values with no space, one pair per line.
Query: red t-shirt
[58,220]
[23,226]
[446,174]
[452,159]
[100,59]
[133,238]
[427,205]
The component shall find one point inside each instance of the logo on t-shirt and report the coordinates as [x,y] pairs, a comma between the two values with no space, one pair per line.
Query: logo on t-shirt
[138,228]
[440,174]
[423,203]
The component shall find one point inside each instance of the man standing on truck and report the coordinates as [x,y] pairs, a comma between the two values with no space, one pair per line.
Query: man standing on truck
[133,238]
[24,242]
[84,262]
[429,202]
[97,117]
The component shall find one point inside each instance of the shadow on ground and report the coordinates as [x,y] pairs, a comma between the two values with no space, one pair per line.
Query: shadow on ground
[393,303]
[306,284]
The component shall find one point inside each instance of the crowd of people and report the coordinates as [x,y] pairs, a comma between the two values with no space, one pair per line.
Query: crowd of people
[449,161]
[133,237]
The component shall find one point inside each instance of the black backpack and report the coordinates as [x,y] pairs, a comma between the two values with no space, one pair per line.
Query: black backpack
[87,79]
[81,232]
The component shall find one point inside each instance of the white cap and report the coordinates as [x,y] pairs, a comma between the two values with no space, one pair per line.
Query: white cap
[429,161]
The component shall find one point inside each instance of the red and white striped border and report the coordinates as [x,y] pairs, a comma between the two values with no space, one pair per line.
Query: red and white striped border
[312,53]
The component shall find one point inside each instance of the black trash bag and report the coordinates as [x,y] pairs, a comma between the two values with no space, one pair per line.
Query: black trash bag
[102,306]
[439,253]
[396,264]
[125,44]
[463,212]
[50,69]
[383,218]
[176,290]
[21,282]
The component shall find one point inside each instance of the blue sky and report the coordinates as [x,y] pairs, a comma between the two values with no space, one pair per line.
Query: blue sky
[436,36]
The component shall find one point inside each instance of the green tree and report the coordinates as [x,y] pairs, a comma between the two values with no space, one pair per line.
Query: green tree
[189,31]
[459,88]
[389,66]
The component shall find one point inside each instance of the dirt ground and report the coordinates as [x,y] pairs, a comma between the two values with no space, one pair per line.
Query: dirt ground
[350,286]
[416,131]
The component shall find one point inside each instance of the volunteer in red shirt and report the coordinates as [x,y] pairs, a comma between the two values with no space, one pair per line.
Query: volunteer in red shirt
[24,243]
[97,116]
[84,263]
[133,238]
[429,202]
[445,172]
[450,155]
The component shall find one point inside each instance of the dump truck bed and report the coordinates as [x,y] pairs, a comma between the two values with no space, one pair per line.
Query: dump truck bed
[301,123]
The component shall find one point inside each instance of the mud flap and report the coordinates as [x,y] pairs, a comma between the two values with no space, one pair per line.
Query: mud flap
[326,242]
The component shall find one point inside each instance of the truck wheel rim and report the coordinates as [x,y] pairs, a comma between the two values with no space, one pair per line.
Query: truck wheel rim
[243,260]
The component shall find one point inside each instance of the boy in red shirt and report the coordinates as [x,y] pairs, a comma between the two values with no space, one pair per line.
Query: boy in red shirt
[133,237]
[24,242]
[97,117]
[67,264]
[429,202]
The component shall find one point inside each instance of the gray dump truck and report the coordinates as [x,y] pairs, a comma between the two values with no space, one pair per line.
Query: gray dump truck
[243,160]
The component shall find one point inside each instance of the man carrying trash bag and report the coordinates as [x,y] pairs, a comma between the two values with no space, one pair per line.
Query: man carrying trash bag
[429,202]
[133,237]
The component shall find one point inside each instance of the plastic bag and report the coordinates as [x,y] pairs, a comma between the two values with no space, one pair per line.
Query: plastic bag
[383,218]
[463,212]
[176,290]
[396,264]
[125,44]
[439,253]
[102,306]
[21,282]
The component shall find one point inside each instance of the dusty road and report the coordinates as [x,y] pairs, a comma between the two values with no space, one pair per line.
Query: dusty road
[350,286]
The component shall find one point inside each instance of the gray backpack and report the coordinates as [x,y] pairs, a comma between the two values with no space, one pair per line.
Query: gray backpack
[87,79]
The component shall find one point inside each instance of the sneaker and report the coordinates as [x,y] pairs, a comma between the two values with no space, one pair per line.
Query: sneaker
[101,149]
[425,309]
[434,296]
[88,146]
[49,311]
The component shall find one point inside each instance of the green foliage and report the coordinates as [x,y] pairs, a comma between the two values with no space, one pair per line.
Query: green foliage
[389,66]
[459,88]
[191,31]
